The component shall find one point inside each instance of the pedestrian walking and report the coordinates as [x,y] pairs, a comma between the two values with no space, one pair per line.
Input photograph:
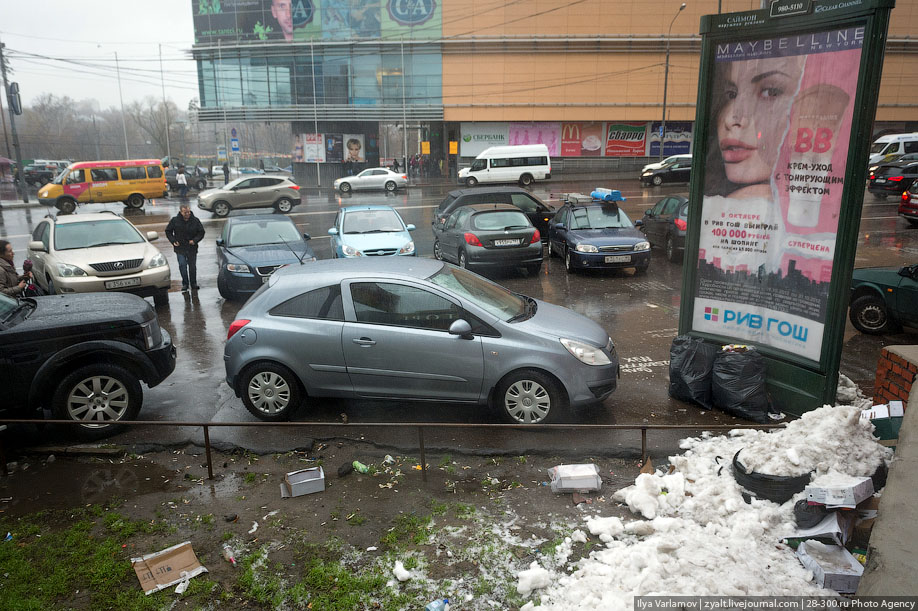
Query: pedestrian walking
[11,283]
[185,231]
[395,165]
[225,173]
[182,181]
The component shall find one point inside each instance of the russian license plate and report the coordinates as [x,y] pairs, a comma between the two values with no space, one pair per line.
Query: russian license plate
[506,242]
[619,259]
[880,181]
[123,283]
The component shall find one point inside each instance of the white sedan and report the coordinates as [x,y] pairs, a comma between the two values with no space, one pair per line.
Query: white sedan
[372,178]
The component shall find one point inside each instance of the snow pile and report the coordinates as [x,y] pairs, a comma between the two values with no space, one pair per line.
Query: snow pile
[532,578]
[701,537]
[849,394]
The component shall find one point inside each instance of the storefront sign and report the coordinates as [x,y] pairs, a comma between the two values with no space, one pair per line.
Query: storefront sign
[476,137]
[581,139]
[625,139]
[537,133]
[678,139]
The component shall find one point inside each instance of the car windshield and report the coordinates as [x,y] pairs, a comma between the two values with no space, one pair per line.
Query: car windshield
[489,296]
[500,220]
[599,217]
[479,164]
[262,232]
[7,305]
[89,234]
[60,177]
[372,221]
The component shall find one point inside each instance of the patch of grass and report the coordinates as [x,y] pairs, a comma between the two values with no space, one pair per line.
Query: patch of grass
[550,547]
[249,478]
[226,536]
[464,511]
[521,460]
[408,528]
[124,528]
[356,520]
[445,460]
[438,508]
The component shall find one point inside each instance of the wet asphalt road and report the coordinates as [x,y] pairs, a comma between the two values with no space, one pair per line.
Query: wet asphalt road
[639,312]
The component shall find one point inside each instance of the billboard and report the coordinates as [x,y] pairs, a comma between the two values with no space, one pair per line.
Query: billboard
[537,133]
[625,139]
[582,139]
[678,139]
[476,137]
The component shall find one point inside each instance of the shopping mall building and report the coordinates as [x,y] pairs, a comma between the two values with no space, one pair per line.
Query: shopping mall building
[382,79]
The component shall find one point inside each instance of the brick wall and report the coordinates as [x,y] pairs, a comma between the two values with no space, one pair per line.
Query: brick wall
[895,376]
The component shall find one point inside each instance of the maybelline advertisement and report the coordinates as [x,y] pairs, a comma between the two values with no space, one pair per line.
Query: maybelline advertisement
[779,131]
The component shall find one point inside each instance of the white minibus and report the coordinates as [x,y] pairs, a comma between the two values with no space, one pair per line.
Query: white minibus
[522,163]
[887,147]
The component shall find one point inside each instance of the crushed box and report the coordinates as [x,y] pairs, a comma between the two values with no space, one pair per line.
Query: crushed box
[833,566]
[166,568]
[304,481]
[839,491]
[575,478]
[835,527]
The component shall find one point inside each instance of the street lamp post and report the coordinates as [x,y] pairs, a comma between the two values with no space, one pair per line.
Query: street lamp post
[666,80]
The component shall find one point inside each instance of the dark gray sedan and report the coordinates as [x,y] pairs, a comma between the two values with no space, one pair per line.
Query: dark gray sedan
[489,236]
[412,329]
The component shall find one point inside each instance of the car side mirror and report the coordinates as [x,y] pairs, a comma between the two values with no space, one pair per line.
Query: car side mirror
[908,271]
[648,212]
[219,243]
[152,235]
[559,225]
[461,328]
[306,236]
[638,223]
[410,227]
[38,246]
[333,231]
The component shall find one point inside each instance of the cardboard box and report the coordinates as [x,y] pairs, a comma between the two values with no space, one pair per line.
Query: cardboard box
[896,409]
[166,568]
[833,566]
[839,491]
[575,478]
[887,429]
[834,528]
[304,481]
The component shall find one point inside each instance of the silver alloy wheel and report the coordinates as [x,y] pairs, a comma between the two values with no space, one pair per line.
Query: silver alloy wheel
[345,187]
[527,402]
[463,262]
[98,401]
[438,254]
[391,186]
[657,180]
[269,392]
[284,205]
[221,209]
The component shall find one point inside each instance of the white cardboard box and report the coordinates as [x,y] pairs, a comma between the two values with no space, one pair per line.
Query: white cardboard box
[835,491]
[896,409]
[304,481]
[575,478]
[832,565]
[835,526]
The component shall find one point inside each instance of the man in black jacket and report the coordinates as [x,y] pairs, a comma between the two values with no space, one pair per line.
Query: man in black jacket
[185,231]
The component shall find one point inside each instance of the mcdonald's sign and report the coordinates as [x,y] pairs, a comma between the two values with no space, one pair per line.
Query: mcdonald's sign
[581,139]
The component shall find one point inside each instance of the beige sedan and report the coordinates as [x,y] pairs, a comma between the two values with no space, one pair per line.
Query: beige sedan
[276,192]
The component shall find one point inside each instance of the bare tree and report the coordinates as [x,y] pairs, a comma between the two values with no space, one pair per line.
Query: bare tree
[153,119]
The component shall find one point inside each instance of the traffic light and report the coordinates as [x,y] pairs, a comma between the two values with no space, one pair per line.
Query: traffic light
[15,102]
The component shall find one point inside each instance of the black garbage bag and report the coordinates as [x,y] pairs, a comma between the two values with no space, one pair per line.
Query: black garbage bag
[738,384]
[690,363]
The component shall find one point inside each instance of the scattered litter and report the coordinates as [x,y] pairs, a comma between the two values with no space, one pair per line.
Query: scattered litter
[836,490]
[575,478]
[388,459]
[647,467]
[166,568]
[441,604]
[578,498]
[304,481]
[359,467]
[231,517]
[833,566]
[270,513]
[228,554]
[254,528]
[8,537]
[400,572]
[835,527]
[345,469]
[372,548]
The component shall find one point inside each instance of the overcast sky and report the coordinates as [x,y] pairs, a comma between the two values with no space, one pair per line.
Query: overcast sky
[67,48]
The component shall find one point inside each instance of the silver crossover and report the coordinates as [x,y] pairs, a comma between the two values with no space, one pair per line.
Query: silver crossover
[415,329]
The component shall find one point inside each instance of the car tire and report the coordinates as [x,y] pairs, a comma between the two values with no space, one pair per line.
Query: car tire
[657,180]
[529,396]
[670,249]
[284,205]
[471,181]
[869,315]
[463,260]
[66,205]
[568,263]
[161,297]
[135,200]
[438,253]
[50,285]
[391,186]
[103,390]
[270,391]
[345,187]
[551,249]
[201,185]
[224,289]
[221,208]
[525,180]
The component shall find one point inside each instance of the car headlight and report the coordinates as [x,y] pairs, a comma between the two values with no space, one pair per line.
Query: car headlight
[586,248]
[237,267]
[407,249]
[152,336]
[158,260]
[642,246]
[647,174]
[350,251]
[65,270]
[585,353]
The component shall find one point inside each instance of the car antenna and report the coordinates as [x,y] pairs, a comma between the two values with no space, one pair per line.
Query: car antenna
[298,257]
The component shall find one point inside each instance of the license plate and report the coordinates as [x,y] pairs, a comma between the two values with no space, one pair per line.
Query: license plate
[506,242]
[123,283]
[880,181]
[619,259]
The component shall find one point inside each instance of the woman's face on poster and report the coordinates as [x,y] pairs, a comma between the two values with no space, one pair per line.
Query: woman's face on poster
[753,120]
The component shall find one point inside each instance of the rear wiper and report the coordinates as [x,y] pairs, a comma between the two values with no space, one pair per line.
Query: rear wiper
[508,227]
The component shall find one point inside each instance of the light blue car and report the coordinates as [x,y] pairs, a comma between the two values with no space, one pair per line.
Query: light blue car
[371,231]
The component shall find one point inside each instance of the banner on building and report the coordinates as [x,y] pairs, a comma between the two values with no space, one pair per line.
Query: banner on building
[581,139]
[547,133]
[476,137]
[678,139]
[354,150]
[625,139]
[780,125]
[314,148]
[334,148]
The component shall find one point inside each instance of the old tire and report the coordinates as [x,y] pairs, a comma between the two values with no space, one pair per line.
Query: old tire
[345,187]
[776,488]
[284,205]
[221,208]
[471,181]
[391,186]
[135,200]
[98,395]
[869,315]
[657,180]
[528,396]
[270,391]
[161,298]
[66,205]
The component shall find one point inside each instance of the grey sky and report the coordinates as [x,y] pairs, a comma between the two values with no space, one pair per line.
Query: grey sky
[87,34]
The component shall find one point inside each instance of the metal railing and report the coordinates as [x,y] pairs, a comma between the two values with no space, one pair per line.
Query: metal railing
[420,426]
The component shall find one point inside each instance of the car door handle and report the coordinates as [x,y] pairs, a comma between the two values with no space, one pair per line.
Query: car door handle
[363,341]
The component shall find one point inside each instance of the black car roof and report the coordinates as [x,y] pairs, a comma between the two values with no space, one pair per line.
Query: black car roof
[492,207]
[460,192]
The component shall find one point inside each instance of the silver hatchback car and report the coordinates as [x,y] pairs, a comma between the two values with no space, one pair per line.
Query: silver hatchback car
[419,329]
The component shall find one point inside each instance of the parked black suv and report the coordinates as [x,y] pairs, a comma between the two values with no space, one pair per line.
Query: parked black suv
[39,174]
[539,213]
[195,181]
[83,356]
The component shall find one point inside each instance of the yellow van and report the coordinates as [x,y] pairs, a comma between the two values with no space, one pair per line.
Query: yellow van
[101,182]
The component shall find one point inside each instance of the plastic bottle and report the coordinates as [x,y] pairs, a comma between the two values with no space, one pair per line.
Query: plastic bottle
[359,467]
[441,604]
[228,554]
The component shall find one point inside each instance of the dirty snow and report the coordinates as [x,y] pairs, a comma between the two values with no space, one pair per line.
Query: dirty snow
[700,536]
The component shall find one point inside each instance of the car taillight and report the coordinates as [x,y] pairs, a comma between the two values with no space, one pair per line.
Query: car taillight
[680,224]
[536,237]
[472,239]
[295,187]
[872,176]
[237,324]
[905,197]
[404,177]
[895,178]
